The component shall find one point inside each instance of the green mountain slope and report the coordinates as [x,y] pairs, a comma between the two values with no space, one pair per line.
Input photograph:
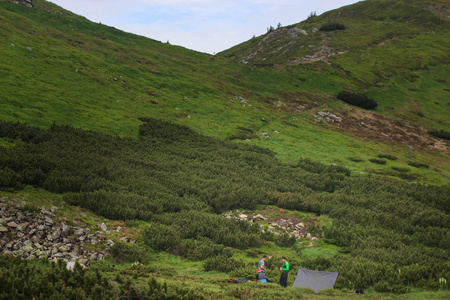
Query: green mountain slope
[60,67]
[201,164]
[388,48]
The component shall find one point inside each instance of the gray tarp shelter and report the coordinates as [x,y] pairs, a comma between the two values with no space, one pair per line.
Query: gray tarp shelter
[315,280]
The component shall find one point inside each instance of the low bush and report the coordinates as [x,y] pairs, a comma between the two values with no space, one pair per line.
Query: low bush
[442,134]
[125,252]
[387,156]
[407,176]
[356,159]
[27,279]
[202,249]
[377,161]
[400,169]
[417,165]
[162,237]
[138,269]
[357,99]
[243,133]
[222,263]
[285,240]
[332,27]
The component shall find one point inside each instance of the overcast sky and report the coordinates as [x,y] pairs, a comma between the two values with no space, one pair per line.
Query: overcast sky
[203,25]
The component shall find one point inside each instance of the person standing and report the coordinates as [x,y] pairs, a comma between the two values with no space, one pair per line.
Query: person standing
[261,264]
[261,268]
[284,272]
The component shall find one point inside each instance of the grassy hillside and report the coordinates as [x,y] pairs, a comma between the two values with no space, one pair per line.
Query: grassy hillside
[396,52]
[96,77]
[175,147]
[172,183]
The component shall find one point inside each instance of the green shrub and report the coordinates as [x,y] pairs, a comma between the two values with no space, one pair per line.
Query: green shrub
[223,264]
[162,237]
[387,156]
[332,27]
[417,165]
[202,249]
[243,133]
[442,134]
[254,252]
[400,169]
[132,223]
[407,176]
[144,270]
[126,252]
[384,287]
[356,159]
[377,161]
[285,240]
[357,99]
[25,279]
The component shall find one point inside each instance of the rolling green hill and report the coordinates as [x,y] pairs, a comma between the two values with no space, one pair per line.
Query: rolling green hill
[58,67]
[171,148]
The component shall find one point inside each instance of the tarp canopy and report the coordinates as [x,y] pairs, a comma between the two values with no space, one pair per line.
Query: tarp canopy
[315,280]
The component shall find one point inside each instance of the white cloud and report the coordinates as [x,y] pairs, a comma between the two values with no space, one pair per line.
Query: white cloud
[203,25]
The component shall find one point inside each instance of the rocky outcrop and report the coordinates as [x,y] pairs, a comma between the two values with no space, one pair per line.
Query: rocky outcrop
[28,3]
[39,234]
[289,225]
[327,116]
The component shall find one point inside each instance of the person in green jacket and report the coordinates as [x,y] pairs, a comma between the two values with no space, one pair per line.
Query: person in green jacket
[284,272]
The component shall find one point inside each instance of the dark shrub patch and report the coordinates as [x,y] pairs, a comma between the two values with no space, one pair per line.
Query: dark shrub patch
[356,159]
[125,252]
[387,156]
[332,27]
[407,176]
[377,161]
[442,134]
[285,240]
[357,99]
[417,165]
[400,169]
[243,133]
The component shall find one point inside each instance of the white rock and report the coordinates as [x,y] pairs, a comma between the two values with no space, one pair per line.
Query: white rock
[243,216]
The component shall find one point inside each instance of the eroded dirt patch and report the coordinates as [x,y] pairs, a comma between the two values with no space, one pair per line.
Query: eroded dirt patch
[378,127]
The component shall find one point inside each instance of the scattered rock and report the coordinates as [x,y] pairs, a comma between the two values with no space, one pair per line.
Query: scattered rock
[243,216]
[296,32]
[327,116]
[11,224]
[79,232]
[103,227]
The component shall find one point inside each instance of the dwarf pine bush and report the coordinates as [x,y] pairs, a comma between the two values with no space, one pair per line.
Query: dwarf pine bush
[357,99]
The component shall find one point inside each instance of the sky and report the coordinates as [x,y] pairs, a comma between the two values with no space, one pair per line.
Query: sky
[208,26]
